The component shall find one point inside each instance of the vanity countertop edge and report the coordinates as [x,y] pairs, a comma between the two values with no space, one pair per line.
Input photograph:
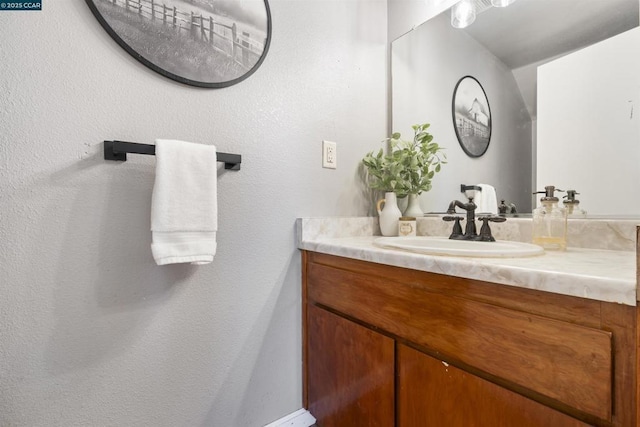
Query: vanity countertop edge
[597,274]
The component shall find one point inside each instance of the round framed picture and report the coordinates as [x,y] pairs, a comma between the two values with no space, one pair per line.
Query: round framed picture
[203,43]
[471,116]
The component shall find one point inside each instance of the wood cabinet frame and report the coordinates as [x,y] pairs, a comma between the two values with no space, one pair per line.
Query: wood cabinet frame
[592,344]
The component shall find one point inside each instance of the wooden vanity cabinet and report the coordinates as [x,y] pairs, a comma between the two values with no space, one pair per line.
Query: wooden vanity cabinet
[387,346]
[351,372]
[434,393]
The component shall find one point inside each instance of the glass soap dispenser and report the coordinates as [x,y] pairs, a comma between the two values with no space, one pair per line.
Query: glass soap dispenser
[550,222]
[572,205]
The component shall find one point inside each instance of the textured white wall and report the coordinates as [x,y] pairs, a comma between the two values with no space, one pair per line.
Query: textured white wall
[404,15]
[589,125]
[91,331]
[426,65]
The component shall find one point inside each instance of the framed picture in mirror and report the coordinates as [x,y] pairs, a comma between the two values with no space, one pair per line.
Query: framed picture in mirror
[471,116]
[203,43]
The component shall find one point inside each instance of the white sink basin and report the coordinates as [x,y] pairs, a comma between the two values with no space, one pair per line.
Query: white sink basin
[444,246]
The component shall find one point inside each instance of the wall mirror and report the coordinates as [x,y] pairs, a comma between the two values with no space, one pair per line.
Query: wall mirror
[506,49]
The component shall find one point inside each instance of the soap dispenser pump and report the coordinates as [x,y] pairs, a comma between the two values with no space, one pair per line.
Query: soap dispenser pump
[572,205]
[550,221]
[502,208]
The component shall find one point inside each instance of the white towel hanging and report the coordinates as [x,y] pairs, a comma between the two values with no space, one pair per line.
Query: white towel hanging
[486,200]
[184,207]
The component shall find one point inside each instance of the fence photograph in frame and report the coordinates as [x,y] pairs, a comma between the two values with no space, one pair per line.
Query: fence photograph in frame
[205,43]
[471,116]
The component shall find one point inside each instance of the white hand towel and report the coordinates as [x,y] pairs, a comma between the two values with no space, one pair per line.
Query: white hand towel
[184,205]
[486,199]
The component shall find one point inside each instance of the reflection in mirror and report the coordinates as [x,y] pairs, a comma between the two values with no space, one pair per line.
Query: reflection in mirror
[503,49]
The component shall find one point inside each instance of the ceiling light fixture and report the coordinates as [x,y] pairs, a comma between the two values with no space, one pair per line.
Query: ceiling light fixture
[501,3]
[463,14]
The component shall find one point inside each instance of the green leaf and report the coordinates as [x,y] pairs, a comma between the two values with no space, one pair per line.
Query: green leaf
[410,165]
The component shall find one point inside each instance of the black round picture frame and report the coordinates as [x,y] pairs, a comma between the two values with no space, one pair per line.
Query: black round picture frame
[471,116]
[203,43]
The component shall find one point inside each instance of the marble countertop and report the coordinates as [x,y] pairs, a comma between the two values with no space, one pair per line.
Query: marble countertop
[598,274]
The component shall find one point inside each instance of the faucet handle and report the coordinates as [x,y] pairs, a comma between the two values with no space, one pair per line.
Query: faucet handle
[492,218]
[456,233]
[485,230]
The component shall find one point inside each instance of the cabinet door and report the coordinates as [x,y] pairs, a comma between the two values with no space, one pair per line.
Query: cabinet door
[433,393]
[350,372]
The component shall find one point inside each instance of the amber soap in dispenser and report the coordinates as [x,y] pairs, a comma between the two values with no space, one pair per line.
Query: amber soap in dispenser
[550,222]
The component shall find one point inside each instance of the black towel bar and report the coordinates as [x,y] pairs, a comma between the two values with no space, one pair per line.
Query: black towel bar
[117,150]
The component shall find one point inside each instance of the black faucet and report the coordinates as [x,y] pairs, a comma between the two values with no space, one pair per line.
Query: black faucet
[470,232]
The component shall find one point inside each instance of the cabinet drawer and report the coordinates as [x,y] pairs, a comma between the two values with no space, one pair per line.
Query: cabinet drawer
[565,365]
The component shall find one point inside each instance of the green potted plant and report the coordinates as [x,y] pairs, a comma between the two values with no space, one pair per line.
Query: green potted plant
[382,176]
[416,163]
[407,171]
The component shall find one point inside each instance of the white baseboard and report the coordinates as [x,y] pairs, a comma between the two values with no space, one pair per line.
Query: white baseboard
[300,418]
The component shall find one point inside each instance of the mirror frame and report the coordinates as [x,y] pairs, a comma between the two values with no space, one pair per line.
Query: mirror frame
[454,100]
[158,68]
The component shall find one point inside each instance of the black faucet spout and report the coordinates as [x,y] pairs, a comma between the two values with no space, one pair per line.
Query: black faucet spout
[470,232]
[469,207]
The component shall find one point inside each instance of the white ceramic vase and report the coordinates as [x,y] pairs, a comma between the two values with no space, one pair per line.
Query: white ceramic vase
[389,214]
[413,207]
